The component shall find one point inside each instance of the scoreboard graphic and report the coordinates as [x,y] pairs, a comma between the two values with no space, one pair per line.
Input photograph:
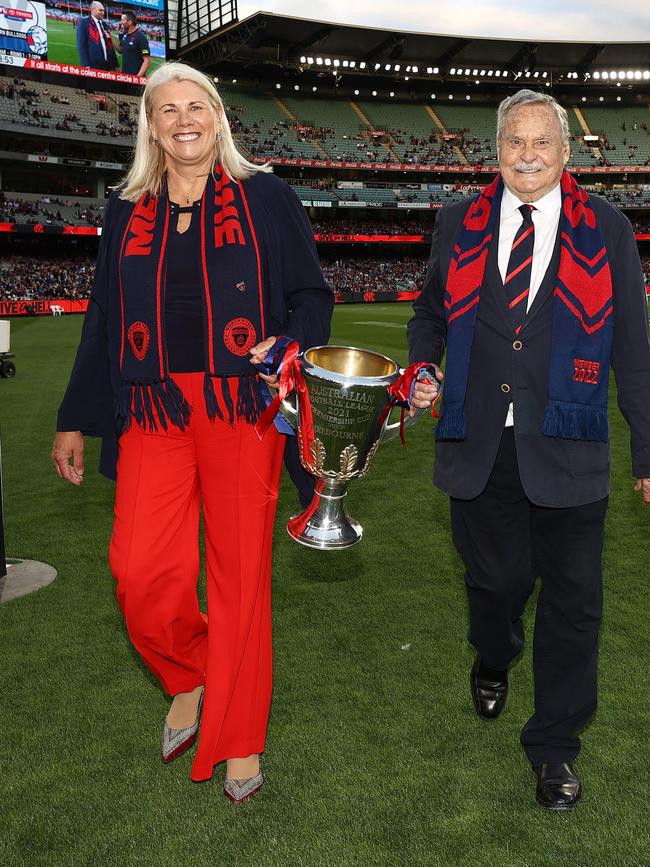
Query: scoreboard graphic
[47,37]
[23,29]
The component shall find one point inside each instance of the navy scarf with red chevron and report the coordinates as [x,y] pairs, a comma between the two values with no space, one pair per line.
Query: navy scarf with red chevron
[233,309]
[582,327]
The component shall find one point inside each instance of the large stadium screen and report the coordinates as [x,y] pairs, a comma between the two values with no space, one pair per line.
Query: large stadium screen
[122,41]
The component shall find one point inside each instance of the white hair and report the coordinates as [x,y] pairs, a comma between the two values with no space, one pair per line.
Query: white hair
[148,168]
[530,97]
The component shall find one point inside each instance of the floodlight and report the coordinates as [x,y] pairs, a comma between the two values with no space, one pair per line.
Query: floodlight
[362,65]
[356,93]
[374,93]
[392,93]
[303,59]
[337,62]
[415,70]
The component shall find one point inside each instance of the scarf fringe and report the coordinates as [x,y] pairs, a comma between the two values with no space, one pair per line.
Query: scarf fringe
[452,425]
[574,421]
[152,404]
[250,403]
[211,403]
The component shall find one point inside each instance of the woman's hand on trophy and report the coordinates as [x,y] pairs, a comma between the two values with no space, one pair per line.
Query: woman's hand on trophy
[69,444]
[425,392]
[258,354]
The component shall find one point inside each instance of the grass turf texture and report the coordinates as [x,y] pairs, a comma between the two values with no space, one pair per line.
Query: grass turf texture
[374,753]
[62,45]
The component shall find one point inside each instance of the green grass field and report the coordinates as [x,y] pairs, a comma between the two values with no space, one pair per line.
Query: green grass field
[374,754]
[62,45]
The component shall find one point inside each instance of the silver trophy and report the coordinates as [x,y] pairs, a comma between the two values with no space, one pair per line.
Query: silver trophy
[347,392]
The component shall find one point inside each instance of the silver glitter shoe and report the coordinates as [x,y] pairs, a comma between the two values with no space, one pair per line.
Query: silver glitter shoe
[174,742]
[239,790]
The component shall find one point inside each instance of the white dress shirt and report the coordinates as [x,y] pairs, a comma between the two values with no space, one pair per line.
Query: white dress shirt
[546,216]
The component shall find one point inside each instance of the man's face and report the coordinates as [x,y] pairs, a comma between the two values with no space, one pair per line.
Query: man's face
[97,11]
[127,26]
[531,152]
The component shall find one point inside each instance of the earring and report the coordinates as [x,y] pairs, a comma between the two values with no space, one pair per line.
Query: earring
[218,135]
[154,142]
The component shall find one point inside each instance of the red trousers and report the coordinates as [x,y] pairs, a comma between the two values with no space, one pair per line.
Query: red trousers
[163,481]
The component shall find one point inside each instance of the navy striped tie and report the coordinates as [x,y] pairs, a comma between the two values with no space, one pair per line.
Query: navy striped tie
[520,263]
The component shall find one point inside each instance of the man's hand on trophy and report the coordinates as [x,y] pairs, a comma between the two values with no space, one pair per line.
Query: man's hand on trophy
[425,392]
[258,354]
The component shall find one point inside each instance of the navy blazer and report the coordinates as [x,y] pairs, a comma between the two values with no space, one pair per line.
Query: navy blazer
[554,472]
[298,303]
[91,53]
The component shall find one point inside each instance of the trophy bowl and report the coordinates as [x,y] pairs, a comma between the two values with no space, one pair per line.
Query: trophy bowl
[349,405]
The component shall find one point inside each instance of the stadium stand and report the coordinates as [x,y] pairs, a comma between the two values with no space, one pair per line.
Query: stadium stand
[351,155]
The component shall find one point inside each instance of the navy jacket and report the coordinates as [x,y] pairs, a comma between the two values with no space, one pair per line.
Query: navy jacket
[298,304]
[554,472]
[90,52]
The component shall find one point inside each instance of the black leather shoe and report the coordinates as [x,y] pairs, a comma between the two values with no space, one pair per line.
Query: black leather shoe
[489,689]
[558,788]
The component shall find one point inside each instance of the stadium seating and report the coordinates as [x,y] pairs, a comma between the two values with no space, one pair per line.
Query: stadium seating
[275,125]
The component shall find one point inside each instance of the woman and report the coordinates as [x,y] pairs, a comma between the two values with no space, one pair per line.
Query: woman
[204,258]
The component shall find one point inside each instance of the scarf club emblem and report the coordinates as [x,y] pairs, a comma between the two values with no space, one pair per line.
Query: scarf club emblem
[139,337]
[239,336]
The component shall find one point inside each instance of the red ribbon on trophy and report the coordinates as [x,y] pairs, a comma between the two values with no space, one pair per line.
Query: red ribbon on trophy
[282,360]
[401,391]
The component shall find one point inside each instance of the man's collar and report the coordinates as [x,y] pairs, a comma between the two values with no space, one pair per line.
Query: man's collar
[548,204]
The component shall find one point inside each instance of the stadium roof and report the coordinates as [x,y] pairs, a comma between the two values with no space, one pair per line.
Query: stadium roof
[267,40]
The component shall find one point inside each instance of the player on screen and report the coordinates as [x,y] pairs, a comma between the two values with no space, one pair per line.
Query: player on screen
[134,46]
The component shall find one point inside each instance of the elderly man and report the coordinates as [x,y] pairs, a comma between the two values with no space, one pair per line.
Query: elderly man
[94,40]
[534,288]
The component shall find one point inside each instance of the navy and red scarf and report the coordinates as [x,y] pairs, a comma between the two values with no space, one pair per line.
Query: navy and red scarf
[582,327]
[233,309]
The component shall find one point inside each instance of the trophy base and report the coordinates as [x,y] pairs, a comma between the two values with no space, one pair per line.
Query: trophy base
[324,523]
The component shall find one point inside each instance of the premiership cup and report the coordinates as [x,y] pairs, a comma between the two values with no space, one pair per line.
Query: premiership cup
[347,391]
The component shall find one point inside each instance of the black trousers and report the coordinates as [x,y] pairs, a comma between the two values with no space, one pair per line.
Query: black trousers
[506,543]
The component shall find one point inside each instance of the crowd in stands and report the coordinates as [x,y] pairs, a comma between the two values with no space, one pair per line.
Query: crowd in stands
[362,226]
[32,110]
[42,210]
[24,277]
[366,274]
[645,264]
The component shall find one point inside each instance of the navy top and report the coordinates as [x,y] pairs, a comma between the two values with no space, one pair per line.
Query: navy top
[135,47]
[183,295]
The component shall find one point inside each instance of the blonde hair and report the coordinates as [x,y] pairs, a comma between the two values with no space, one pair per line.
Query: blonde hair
[148,167]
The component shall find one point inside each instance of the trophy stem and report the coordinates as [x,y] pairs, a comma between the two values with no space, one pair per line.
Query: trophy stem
[324,524]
